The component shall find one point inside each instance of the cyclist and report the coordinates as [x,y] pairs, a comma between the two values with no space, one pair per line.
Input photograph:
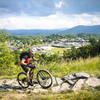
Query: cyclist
[25,58]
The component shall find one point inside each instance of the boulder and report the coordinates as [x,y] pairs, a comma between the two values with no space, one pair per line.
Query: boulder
[76,76]
[93,82]
[60,88]
[57,81]
[64,87]
[56,89]
[79,84]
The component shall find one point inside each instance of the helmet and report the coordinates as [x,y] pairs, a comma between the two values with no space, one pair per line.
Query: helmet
[32,50]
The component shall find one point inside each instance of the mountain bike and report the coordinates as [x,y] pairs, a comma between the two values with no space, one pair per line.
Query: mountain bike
[43,78]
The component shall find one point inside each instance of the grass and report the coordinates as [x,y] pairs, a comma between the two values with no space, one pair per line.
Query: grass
[57,50]
[60,69]
[67,95]
[89,65]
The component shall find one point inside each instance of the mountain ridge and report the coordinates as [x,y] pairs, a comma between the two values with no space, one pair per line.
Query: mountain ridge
[83,29]
[77,29]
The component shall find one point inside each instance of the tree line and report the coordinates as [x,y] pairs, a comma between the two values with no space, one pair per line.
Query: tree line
[91,50]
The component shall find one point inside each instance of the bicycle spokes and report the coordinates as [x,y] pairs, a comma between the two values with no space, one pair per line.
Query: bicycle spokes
[22,80]
[44,78]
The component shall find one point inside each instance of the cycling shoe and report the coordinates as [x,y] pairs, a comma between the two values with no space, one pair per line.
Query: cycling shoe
[30,83]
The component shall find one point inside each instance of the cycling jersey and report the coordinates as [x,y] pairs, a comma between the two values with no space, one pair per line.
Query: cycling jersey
[24,57]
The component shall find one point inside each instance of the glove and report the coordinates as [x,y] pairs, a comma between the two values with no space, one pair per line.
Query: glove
[29,64]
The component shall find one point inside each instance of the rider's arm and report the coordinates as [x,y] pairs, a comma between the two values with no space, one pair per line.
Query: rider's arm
[22,62]
[35,59]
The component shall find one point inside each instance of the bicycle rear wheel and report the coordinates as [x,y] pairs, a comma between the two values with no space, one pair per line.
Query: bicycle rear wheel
[44,78]
[22,80]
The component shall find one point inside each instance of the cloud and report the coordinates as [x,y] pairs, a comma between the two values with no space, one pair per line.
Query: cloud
[59,4]
[29,7]
[48,7]
[80,6]
[55,21]
[9,7]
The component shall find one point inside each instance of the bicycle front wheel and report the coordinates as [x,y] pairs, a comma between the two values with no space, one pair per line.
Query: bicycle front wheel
[22,80]
[44,78]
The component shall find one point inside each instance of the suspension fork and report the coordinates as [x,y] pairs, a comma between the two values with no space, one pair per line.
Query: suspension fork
[41,75]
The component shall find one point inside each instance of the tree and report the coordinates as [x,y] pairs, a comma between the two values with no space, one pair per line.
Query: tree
[6,58]
[92,41]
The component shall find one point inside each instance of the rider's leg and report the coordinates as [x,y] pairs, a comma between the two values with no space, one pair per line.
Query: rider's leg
[28,78]
[27,74]
[24,67]
[32,67]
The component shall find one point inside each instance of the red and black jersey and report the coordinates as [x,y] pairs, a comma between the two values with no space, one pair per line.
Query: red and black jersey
[25,57]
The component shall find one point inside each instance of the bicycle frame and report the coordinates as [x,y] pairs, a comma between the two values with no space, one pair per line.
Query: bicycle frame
[40,75]
[32,69]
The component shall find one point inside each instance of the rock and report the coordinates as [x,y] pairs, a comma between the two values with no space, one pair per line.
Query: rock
[56,89]
[64,87]
[82,75]
[78,85]
[2,81]
[68,77]
[93,82]
[76,76]
[60,88]
[57,81]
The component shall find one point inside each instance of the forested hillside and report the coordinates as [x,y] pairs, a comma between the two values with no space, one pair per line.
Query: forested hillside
[74,30]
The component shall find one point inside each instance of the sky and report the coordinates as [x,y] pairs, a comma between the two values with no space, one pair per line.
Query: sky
[48,14]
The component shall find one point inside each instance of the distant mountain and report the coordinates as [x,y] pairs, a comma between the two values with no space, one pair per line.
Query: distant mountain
[76,29]
[83,29]
[34,31]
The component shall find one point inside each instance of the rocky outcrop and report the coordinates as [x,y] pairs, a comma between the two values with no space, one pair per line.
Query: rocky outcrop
[73,82]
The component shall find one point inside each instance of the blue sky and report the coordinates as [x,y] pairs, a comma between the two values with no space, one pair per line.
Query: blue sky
[48,14]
